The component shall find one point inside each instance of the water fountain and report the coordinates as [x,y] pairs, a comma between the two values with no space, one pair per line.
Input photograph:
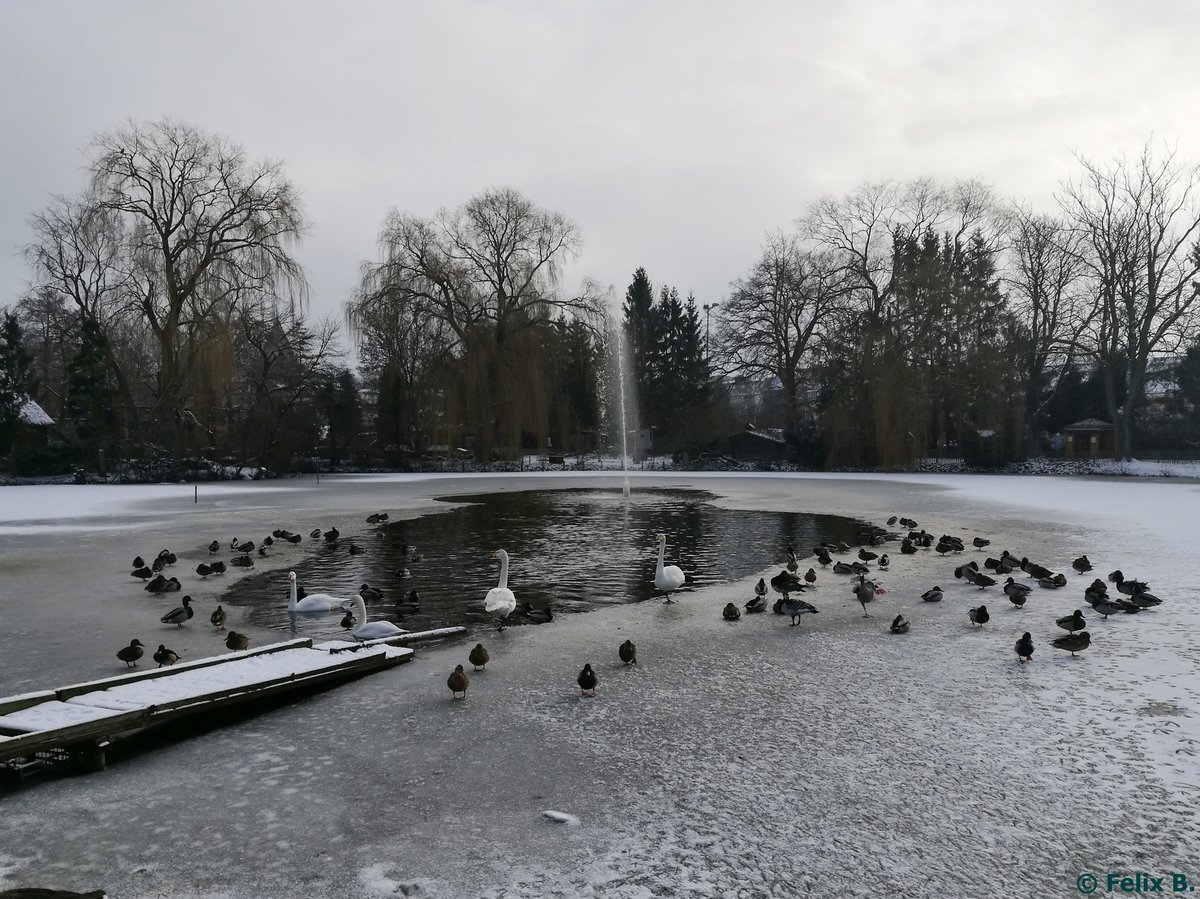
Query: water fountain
[621,375]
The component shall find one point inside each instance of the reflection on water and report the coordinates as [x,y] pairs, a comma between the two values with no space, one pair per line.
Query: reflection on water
[571,550]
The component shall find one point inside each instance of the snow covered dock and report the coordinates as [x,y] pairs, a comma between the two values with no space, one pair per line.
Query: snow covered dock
[76,723]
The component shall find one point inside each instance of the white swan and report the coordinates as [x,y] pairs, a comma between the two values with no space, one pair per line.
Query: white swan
[668,577]
[500,601]
[314,602]
[369,630]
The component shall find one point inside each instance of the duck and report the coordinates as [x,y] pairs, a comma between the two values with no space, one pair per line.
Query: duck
[1126,586]
[731,612]
[760,589]
[458,683]
[900,625]
[1018,593]
[236,641]
[410,604]
[293,538]
[1106,607]
[842,568]
[1073,643]
[587,681]
[865,593]
[369,630]
[315,533]
[331,535]
[1096,592]
[218,618]
[1082,564]
[538,615]
[500,601]
[1073,622]
[131,653]
[933,594]
[795,608]
[823,557]
[356,550]
[138,562]
[793,564]
[983,580]
[785,582]
[217,568]
[1035,570]
[980,542]
[979,616]
[165,656]
[478,657]
[179,614]
[667,578]
[1144,599]
[810,578]
[312,602]
[172,586]
[884,562]
[157,584]
[242,561]
[1049,583]
[867,556]
[757,604]
[1024,647]
[907,547]
[369,593]
[247,547]
[627,652]
[402,573]
[214,548]
[143,572]
[203,569]
[348,620]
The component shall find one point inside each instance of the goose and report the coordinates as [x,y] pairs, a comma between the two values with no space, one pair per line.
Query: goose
[933,594]
[1106,607]
[500,601]
[540,616]
[165,656]
[627,653]
[214,548]
[218,618]
[1018,593]
[794,608]
[236,641]
[1082,564]
[217,568]
[478,657]
[757,604]
[900,625]
[458,683]
[131,653]
[667,578]
[587,681]
[865,593]
[731,612]
[369,593]
[1024,647]
[312,602]
[369,630]
[979,616]
[1073,622]
[203,569]
[785,582]
[179,614]
[143,572]
[1073,643]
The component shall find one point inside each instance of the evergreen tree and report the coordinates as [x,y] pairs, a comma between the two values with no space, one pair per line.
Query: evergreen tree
[17,382]
[92,394]
[642,334]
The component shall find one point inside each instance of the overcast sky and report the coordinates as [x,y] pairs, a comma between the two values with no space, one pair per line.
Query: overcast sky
[675,134]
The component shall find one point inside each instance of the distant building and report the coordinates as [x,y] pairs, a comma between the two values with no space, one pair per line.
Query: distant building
[750,445]
[35,426]
[1089,439]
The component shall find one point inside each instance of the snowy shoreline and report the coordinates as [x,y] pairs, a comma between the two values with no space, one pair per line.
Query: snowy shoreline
[744,759]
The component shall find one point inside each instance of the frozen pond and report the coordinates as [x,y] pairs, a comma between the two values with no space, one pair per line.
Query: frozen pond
[571,551]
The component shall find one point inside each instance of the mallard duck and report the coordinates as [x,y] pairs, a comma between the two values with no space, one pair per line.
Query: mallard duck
[172,586]
[203,569]
[757,604]
[331,535]
[410,604]
[402,573]
[627,653]
[1073,643]
[293,538]
[143,573]
[982,580]
[785,582]
[1144,599]
[823,557]
[156,584]
[315,533]
[587,681]
[842,568]
[760,589]
[138,562]
[867,556]
[810,578]
[131,653]
[1096,592]
[1025,647]
[165,656]
[967,571]
[458,683]
[731,612]
[1082,564]
[865,593]
[793,564]
[243,561]
[859,568]
[891,521]
[214,548]
[1105,606]
[158,564]
[1072,622]
[500,601]
[1018,593]
[1128,587]
[900,625]
[980,542]
[538,615]
[356,550]
[236,641]
[178,615]
[216,567]
[369,593]
[1035,570]
[933,594]
[796,608]
[218,618]
[979,616]
[478,657]
[348,620]
[884,562]
[1048,583]
[907,547]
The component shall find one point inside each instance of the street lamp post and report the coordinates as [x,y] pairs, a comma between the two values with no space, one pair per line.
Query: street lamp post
[707,307]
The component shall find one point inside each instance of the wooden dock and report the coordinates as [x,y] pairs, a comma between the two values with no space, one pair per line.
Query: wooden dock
[75,724]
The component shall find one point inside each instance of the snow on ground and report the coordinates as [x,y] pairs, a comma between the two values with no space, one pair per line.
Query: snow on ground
[735,759]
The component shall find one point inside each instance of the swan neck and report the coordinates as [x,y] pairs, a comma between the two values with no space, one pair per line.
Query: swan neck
[662,545]
[292,595]
[504,570]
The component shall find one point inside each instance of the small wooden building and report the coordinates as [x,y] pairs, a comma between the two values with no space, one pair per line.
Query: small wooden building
[752,445]
[1089,439]
[34,432]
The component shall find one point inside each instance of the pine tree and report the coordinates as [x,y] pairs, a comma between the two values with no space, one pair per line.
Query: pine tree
[17,382]
[92,395]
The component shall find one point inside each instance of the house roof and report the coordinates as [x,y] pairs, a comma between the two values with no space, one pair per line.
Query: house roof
[33,414]
[1089,424]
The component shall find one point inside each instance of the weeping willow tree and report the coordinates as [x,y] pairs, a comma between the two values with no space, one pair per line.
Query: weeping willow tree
[488,273]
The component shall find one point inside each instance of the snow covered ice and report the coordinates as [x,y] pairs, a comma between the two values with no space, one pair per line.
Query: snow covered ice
[748,759]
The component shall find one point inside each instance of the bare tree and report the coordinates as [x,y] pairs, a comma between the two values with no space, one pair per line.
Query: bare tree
[775,317]
[202,228]
[1139,221]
